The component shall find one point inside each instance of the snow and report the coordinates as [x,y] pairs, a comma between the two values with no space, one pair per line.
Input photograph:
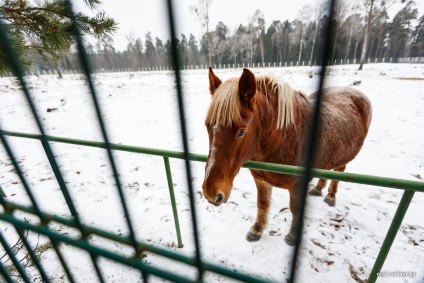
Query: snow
[141,109]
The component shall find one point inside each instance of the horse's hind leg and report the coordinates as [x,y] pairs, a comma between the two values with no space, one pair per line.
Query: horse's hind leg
[264,201]
[317,190]
[330,198]
[295,206]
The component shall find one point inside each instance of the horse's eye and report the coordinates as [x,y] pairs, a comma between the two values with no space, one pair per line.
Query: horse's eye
[241,133]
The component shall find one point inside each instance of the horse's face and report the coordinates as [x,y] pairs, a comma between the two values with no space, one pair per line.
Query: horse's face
[230,146]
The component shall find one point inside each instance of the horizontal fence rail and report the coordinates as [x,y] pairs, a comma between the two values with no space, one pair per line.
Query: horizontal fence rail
[254,165]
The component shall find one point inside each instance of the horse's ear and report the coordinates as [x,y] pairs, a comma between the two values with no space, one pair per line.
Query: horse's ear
[214,81]
[247,86]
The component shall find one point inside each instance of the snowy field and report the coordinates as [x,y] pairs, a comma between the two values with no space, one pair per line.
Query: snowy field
[339,244]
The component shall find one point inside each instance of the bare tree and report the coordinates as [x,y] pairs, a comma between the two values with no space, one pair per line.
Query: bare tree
[236,45]
[105,46]
[202,12]
[318,11]
[339,13]
[248,42]
[304,16]
[352,23]
[258,18]
[372,9]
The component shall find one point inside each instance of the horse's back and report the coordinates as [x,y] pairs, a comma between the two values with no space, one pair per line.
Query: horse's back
[345,119]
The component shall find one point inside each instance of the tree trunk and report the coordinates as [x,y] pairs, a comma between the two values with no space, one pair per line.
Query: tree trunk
[371,47]
[261,37]
[356,49]
[58,70]
[208,34]
[348,44]
[334,46]
[251,52]
[377,51]
[301,45]
[366,37]
[313,44]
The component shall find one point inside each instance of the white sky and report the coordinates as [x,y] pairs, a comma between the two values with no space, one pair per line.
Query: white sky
[142,16]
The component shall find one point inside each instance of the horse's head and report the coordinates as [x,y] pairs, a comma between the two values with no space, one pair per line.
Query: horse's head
[233,132]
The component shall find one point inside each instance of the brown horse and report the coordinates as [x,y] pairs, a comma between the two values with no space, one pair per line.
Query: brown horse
[263,119]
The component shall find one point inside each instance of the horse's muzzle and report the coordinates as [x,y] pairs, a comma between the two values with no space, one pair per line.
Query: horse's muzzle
[219,199]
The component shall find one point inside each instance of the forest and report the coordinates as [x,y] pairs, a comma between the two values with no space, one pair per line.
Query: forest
[280,42]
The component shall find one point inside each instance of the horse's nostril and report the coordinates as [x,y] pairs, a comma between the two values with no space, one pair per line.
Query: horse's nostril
[219,198]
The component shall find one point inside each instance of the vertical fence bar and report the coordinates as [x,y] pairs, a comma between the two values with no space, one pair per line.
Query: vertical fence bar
[36,208]
[13,258]
[2,194]
[32,254]
[5,273]
[87,71]
[184,135]
[391,234]
[19,73]
[34,203]
[310,149]
[172,196]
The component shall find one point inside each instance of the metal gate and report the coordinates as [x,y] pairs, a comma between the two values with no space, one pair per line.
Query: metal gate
[134,261]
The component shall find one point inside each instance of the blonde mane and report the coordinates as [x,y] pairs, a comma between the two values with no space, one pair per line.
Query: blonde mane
[225,105]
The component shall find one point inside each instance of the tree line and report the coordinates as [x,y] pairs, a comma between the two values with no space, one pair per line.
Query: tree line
[360,30]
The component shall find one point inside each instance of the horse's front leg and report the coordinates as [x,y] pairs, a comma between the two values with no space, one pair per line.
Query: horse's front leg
[264,201]
[295,204]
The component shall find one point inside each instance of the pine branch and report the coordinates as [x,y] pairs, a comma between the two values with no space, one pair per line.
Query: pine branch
[47,28]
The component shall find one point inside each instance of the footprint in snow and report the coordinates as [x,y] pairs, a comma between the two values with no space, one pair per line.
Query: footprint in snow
[258,251]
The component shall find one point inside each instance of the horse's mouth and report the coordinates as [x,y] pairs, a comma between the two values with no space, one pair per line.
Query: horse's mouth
[225,200]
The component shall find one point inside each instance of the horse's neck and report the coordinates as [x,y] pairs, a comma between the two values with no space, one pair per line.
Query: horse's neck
[284,145]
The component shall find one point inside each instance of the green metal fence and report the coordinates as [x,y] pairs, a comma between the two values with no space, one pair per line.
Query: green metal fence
[135,260]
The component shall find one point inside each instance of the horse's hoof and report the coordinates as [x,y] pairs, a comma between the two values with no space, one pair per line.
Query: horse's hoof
[290,239]
[252,237]
[314,192]
[329,201]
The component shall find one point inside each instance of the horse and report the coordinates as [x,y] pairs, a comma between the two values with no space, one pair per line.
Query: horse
[264,119]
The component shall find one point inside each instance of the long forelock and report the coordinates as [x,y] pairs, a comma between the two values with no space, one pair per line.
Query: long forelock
[225,108]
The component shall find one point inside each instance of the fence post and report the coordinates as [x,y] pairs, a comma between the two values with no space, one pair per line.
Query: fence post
[391,234]
[172,196]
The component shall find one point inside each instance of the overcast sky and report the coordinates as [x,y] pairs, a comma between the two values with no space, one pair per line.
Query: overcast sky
[142,16]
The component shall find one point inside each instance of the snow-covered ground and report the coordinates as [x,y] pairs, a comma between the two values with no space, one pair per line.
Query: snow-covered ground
[141,109]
